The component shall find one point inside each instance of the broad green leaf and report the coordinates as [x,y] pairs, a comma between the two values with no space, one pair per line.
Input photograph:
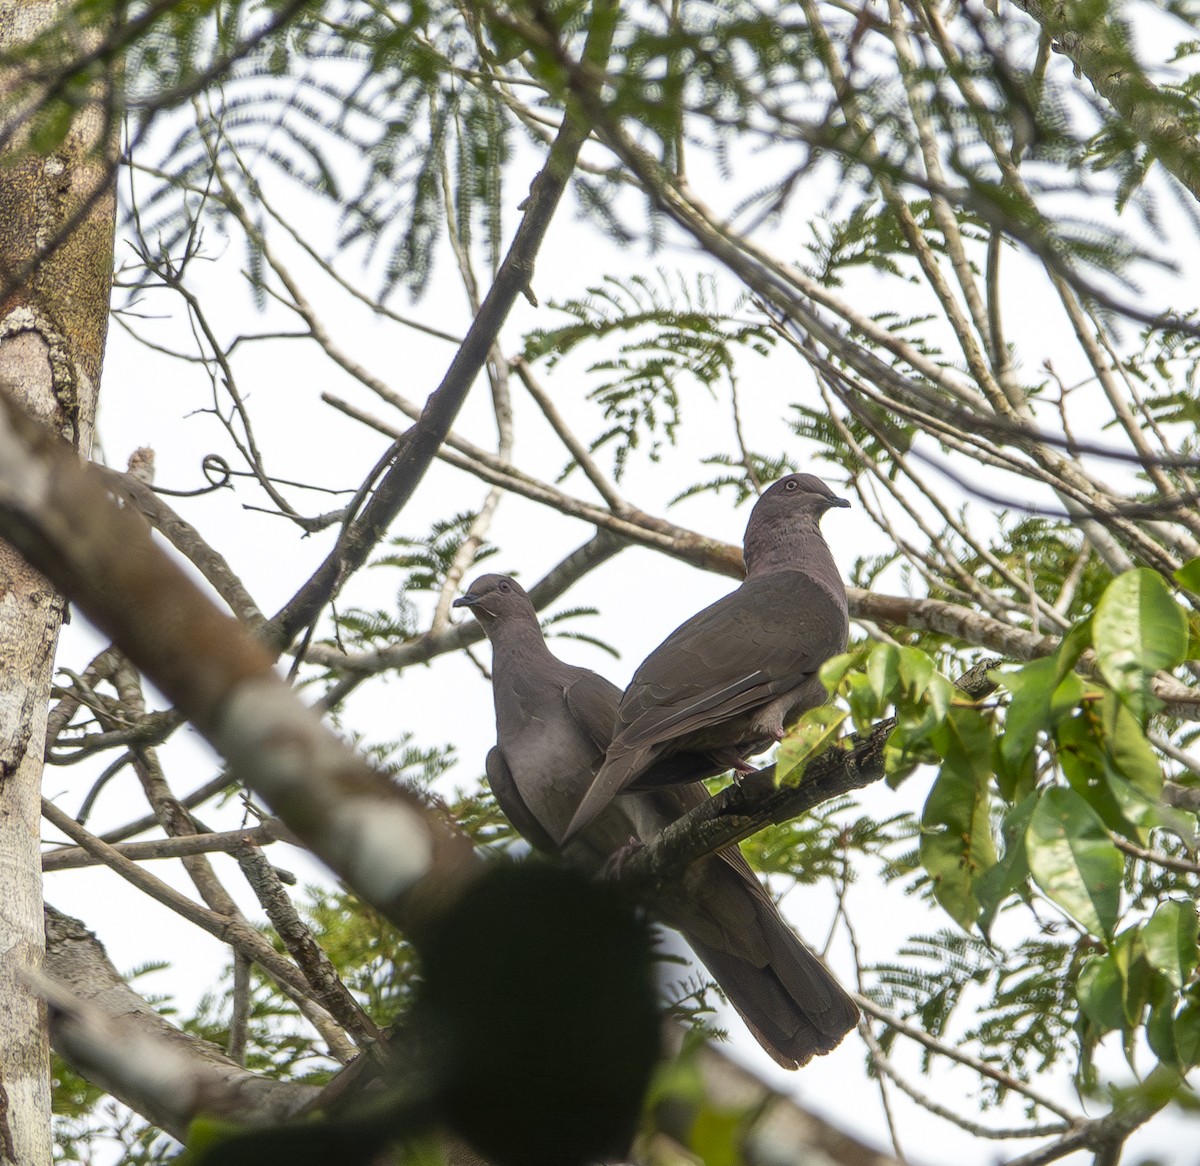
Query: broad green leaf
[1138,629]
[883,671]
[804,740]
[1011,872]
[939,695]
[1187,1033]
[1077,640]
[916,720]
[1041,697]
[916,670]
[834,670]
[1132,755]
[1015,783]
[1169,940]
[1160,1025]
[1189,575]
[1072,859]
[1099,993]
[1129,958]
[864,707]
[956,835]
[1092,772]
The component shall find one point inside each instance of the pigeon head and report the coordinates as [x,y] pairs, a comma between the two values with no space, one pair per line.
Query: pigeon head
[494,597]
[787,510]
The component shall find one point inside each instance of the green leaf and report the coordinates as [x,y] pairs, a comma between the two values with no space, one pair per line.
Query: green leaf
[1189,576]
[1073,861]
[1138,629]
[916,720]
[1077,640]
[883,671]
[1129,958]
[1132,756]
[1010,873]
[1160,1025]
[1099,994]
[805,739]
[916,671]
[956,834]
[834,670]
[1169,940]
[939,696]
[1090,769]
[864,707]
[1187,1034]
[1041,697]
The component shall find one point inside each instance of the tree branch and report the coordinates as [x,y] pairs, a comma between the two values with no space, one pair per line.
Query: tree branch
[1101,52]
[743,808]
[412,455]
[377,836]
[75,857]
[106,1032]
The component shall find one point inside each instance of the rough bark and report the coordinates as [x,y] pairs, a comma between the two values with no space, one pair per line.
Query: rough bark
[1099,49]
[185,1075]
[56,254]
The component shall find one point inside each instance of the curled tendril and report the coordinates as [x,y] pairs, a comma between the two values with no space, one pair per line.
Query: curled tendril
[216,472]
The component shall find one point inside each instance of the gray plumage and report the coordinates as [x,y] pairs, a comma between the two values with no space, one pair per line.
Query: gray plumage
[553,723]
[723,685]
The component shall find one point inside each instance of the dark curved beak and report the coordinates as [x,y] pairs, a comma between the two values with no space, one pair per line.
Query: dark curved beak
[466,600]
[841,503]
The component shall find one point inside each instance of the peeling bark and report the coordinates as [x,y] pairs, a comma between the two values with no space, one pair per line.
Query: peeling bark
[55,278]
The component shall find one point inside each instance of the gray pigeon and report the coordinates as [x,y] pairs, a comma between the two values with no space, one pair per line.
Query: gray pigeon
[553,722]
[722,686]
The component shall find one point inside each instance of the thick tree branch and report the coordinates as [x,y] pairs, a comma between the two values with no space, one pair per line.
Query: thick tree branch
[377,836]
[109,1034]
[1099,49]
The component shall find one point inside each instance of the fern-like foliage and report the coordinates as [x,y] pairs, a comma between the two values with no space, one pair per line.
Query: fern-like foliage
[426,561]
[669,335]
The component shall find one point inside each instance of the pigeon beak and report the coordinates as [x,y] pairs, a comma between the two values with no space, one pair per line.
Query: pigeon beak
[467,600]
[841,503]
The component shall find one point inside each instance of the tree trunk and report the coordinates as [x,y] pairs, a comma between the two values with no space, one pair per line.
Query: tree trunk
[57,213]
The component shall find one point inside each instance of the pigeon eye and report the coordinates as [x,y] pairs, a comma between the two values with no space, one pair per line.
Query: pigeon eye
[790,485]
[503,587]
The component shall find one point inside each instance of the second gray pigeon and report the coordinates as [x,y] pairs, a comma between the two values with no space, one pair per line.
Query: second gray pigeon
[724,685]
[553,723]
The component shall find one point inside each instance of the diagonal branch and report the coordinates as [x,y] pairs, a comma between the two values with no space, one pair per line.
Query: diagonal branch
[743,808]
[105,1031]
[379,837]
[413,454]
[1100,50]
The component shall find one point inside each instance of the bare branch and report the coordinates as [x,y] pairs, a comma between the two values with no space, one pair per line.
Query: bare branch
[413,455]
[225,842]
